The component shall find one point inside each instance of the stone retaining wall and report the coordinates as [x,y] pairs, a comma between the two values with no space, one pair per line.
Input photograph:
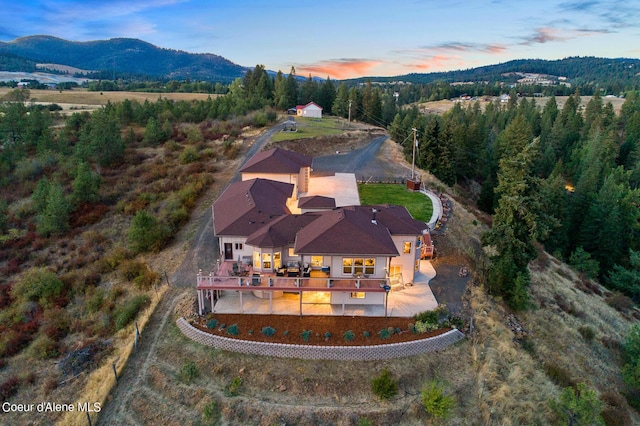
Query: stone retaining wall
[334,353]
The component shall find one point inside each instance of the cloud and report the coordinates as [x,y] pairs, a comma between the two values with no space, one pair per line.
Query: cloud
[338,68]
[551,34]
[617,13]
[458,47]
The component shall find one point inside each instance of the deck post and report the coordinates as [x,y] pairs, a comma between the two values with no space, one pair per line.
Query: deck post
[200,302]
[271,302]
[301,303]
[241,308]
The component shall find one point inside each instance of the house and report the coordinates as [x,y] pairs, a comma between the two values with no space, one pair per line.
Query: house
[355,253]
[311,109]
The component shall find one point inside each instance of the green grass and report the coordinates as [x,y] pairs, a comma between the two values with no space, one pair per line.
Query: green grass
[419,205]
[311,128]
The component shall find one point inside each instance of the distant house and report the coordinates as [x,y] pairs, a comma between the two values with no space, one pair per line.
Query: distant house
[311,109]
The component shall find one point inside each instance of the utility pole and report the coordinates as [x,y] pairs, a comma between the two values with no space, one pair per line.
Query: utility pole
[415,143]
[349,122]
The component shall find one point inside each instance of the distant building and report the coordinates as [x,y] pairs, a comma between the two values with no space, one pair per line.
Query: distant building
[311,109]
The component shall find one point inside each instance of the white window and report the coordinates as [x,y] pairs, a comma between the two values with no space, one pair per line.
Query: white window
[358,295]
[406,247]
[266,260]
[358,265]
[276,260]
[317,261]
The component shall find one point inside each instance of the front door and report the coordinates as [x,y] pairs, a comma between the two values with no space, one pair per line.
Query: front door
[228,251]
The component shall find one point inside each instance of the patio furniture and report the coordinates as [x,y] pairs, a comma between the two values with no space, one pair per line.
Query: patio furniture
[306,271]
[293,269]
[255,279]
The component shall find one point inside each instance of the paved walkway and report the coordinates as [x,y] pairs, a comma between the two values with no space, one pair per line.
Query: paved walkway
[437,207]
[401,303]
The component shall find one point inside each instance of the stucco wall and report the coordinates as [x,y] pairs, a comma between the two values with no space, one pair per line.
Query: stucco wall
[335,353]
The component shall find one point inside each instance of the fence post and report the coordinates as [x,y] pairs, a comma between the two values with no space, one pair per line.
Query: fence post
[88,417]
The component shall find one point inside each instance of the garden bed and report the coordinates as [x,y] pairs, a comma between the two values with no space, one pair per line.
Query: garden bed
[289,329]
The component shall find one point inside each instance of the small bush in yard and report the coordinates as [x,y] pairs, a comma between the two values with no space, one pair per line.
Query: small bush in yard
[327,335]
[188,372]
[366,334]
[306,334]
[383,386]
[268,331]
[384,334]
[233,330]
[435,402]
[212,323]
[349,335]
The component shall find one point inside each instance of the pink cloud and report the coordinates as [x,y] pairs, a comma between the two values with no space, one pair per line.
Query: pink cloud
[339,68]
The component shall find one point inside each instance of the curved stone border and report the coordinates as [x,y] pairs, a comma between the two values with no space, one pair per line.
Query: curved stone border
[333,353]
[436,215]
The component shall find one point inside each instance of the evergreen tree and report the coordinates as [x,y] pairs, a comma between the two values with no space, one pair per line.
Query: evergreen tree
[54,217]
[340,105]
[86,185]
[515,222]
[327,96]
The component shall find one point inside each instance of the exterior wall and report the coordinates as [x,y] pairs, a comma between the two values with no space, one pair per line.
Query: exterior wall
[336,266]
[311,111]
[406,261]
[244,252]
[278,177]
[331,353]
[258,267]
[339,297]
[303,179]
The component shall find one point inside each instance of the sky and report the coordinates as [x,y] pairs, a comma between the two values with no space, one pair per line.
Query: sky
[345,39]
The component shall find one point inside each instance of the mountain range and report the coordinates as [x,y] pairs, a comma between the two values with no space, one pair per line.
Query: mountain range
[120,55]
[135,58]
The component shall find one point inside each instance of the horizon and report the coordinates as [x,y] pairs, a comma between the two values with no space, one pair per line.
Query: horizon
[426,37]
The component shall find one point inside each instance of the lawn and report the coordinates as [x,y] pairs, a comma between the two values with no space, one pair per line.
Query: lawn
[419,205]
[311,128]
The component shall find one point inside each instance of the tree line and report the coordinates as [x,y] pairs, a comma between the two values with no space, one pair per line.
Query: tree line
[567,178]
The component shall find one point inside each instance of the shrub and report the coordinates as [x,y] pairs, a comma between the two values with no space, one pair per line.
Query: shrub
[188,372]
[349,335]
[429,317]
[233,388]
[126,312]
[435,402]
[587,332]
[211,413]
[268,331]
[306,335]
[38,285]
[384,334]
[366,334]
[327,335]
[8,388]
[383,386]
[43,348]
[146,233]
[212,323]
[579,406]
[189,155]
[558,375]
[233,330]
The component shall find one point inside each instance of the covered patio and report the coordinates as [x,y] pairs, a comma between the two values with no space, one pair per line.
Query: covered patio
[271,294]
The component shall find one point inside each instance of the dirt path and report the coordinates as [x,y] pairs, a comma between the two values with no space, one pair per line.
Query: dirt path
[115,412]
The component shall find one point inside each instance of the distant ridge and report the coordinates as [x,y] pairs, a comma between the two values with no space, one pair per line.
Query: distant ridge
[123,55]
[578,70]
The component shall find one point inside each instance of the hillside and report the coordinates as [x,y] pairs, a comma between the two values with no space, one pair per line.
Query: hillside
[577,70]
[123,55]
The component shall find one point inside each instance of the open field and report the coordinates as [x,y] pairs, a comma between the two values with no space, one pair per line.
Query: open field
[312,128]
[440,107]
[84,100]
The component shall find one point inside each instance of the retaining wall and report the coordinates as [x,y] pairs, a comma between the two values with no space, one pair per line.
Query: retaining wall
[334,353]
